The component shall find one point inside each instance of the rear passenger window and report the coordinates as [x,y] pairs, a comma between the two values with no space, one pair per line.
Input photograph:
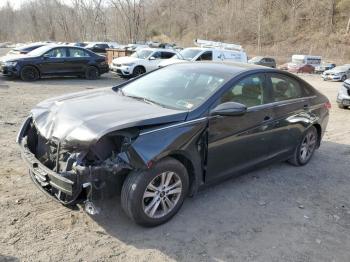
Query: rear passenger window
[285,88]
[75,52]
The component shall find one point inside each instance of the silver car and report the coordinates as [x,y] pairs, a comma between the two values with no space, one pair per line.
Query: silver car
[343,98]
[338,73]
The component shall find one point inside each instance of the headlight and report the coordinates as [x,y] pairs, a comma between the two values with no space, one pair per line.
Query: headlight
[129,64]
[10,64]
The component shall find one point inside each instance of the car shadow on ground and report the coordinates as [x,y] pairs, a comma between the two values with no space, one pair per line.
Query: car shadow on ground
[8,259]
[108,79]
[259,209]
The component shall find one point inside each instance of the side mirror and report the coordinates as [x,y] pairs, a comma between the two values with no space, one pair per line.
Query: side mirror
[46,56]
[152,58]
[229,109]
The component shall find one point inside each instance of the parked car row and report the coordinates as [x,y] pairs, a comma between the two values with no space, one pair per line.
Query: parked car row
[145,59]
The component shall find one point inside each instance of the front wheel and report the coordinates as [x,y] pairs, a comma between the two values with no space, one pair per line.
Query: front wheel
[139,70]
[341,106]
[154,196]
[306,148]
[343,78]
[29,73]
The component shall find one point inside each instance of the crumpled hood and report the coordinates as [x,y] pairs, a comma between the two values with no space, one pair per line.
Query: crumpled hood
[126,60]
[82,118]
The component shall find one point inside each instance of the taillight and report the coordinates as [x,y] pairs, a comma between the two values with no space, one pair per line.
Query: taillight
[328,105]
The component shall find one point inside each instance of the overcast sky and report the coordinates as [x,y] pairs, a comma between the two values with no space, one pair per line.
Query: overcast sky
[17,3]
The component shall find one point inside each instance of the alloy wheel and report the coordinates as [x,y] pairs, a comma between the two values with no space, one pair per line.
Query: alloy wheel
[308,146]
[162,194]
[29,74]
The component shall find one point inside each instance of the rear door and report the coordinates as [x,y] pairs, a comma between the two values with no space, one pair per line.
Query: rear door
[54,61]
[291,109]
[239,142]
[77,60]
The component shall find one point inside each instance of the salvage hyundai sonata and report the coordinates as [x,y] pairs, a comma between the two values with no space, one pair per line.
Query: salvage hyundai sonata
[160,137]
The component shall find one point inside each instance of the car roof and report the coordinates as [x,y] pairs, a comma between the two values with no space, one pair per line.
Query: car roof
[225,66]
[158,49]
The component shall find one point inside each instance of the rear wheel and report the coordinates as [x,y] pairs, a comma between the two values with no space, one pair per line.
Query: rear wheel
[139,70]
[29,73]
[154,196]
[306,148]
[92,73]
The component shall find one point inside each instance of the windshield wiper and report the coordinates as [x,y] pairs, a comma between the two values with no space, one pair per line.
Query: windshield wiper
[144,99]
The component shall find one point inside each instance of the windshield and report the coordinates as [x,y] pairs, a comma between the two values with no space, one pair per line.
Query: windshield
[40,51]
[189,53]
[143,54]
[91,45]
[256,59]
[341,68]
[298,60]
[178,87]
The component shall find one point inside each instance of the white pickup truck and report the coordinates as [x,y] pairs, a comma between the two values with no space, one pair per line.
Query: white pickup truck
[140,62]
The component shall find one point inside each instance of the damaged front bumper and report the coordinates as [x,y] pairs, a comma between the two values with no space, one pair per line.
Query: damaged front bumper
[86,184]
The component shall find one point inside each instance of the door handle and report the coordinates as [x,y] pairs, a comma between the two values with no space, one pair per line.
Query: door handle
[306,106]
[267,118]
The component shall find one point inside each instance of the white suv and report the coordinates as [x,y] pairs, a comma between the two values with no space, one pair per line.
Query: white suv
[140,62]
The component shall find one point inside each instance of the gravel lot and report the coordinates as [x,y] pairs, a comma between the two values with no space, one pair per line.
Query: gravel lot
[277,213]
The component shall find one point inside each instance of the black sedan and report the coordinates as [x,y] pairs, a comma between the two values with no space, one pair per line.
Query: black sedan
[162,136]
[54,60]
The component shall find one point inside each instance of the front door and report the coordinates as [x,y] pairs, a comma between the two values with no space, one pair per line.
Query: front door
[154,61]
[238,142]
[54,61]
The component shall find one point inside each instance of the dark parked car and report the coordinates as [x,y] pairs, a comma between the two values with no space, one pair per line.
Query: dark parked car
[79,44]
[22,50]
[301,68]
[55,60]
[162,136]
[100,48]
[324,67]
[264,61]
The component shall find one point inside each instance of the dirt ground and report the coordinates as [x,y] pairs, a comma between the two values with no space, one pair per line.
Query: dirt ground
[277,213]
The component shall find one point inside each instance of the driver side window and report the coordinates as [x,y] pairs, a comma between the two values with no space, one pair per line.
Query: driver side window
[156,55]
[249,91]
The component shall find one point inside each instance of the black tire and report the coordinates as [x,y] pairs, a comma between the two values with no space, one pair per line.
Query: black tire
[138,70]
[29,74]
[341,106]
[92,73]
[297,159]
[343,78]
[137,183]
